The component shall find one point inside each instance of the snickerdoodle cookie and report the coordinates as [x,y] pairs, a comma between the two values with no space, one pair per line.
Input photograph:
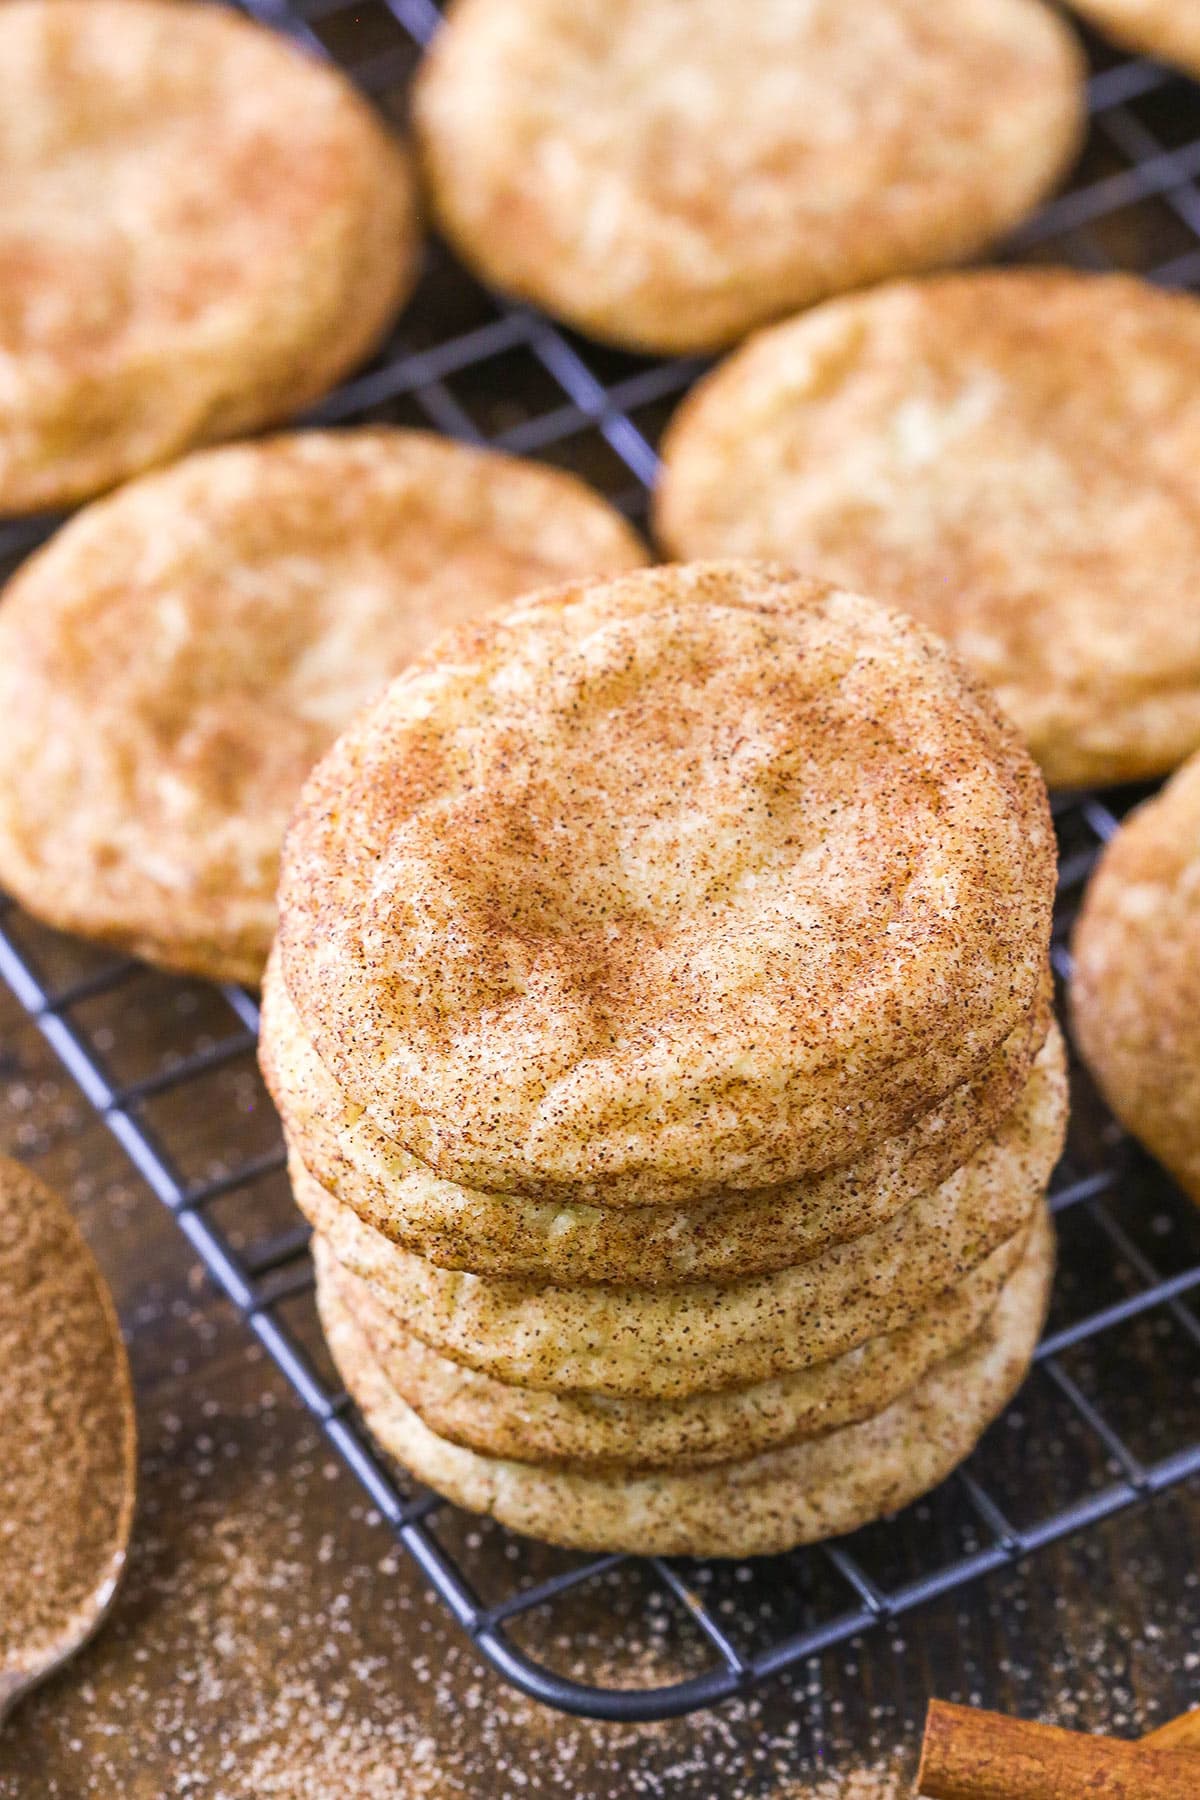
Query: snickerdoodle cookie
[563,1241]
[532,1425]
[666,1343]
[1135,995]
[697,880]
[670,173]
[1012,456]
[1166,28]
[177,658]
[201,229]
[770,1502]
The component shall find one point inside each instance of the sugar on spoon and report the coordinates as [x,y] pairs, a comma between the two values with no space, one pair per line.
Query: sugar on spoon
[67,1437]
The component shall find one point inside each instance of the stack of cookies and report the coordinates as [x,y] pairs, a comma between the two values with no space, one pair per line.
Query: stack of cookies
[659,1018]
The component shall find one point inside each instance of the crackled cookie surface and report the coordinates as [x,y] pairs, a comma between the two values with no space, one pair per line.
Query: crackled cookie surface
[670,173]
[201,229]
[696,880]
[1013,457]
[174,662]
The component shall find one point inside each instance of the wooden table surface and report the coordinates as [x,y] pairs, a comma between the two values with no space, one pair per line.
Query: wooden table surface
[271,1640]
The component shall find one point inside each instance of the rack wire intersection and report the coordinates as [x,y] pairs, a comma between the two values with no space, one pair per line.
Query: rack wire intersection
[1112,1413]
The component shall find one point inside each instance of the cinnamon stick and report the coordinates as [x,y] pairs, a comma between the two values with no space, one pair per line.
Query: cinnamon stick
[1182,1733]
[973,1755]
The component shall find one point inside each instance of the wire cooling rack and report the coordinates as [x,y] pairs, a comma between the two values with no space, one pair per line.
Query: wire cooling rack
[1111,1413]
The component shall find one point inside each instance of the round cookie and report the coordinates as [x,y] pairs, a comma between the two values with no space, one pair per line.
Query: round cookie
[817,1489]
[1169,29]
[645,1246]
[1135,992]
[694,881]
[666,1343]
[176,659]
[668,174]
[475,1410]
[201,229]
[1013,456]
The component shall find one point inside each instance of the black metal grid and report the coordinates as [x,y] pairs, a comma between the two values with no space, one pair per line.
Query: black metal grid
[1112,1412]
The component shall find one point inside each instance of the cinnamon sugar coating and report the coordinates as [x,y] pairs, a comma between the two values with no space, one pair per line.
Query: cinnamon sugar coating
[762,1505]
[670,173]
[177,658]
[67,1435]
[1135,992]
[691,882]
[1168,29]
[564,1241]
[481,1413]
[1012,456]
[669,1343]
[201,230]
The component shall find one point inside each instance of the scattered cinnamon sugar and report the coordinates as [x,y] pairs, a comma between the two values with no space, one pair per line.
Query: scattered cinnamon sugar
[66,1434]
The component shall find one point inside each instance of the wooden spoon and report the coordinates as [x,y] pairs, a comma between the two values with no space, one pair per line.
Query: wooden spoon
[67,1437]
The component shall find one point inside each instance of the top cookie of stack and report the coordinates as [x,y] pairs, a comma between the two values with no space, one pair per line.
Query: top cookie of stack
[694,882]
